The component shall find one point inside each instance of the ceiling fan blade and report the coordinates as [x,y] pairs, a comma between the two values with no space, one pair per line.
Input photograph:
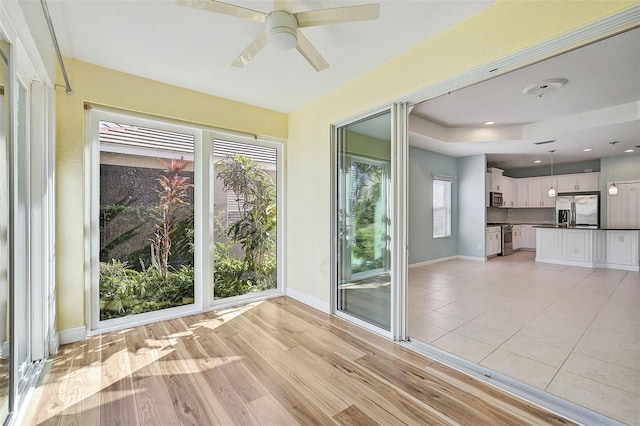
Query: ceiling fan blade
[337,15]
[251,51]
[224,8]
[282,5]
[310,53]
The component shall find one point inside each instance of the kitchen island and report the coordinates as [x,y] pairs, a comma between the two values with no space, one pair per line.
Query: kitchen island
[589,247]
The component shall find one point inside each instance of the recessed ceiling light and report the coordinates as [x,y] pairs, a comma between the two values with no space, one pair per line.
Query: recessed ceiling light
[588,149]
[629,150]
[489,123]
[538,161]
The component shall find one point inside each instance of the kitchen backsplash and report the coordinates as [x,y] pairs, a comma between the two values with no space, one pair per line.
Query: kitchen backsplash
[495,215]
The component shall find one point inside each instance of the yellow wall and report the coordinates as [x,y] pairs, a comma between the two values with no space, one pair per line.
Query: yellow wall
[506,27]
[107,87]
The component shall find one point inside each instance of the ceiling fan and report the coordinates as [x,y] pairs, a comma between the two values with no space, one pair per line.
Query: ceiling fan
[283,26]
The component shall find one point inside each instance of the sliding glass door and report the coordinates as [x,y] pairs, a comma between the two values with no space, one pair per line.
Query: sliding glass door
[364,273]
[5,229]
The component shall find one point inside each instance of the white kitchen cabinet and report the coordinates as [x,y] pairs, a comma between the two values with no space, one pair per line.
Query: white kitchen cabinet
[517,237]
[522,186]
[509,192]
[493,241]
[535,192]
[549,243]
[497,184]
[539,191]
[622,248]
[578,182]
[590,248]
[529,237]
[577,245]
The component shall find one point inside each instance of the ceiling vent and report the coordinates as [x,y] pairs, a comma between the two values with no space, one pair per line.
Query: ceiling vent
[544,142]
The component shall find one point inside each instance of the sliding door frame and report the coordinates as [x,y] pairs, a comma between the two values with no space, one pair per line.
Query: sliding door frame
[398,217]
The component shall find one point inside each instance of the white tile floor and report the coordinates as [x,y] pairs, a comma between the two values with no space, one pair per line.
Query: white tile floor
[574,332]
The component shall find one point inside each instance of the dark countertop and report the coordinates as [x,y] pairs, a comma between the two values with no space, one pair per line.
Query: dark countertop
[595,228]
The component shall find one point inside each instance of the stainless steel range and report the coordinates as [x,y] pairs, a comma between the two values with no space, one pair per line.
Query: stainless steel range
[507,240]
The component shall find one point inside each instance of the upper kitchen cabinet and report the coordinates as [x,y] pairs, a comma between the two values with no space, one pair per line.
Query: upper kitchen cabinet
[522,186]
[539,191]
[578,182]
[509,193]
[497,180]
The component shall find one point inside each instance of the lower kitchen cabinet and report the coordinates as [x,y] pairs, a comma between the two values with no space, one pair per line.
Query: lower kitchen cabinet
[591,248]
[493,241]
[549,243]
[517,237]
[528,237]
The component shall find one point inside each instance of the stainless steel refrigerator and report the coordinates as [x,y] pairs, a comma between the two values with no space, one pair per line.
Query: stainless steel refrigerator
[578,209]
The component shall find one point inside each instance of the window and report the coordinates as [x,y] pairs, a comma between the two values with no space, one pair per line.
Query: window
[441,207]
[160,244]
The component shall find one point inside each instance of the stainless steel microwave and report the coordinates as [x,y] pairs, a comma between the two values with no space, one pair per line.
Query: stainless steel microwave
[495,199]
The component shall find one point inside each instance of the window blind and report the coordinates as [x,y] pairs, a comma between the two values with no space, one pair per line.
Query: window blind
[441,208]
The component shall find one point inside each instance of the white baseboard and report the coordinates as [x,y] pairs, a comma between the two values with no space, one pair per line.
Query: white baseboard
[314,302]
[444,259]
[603,265]
[430,262]
[71,335]
[475,258]
[54,344]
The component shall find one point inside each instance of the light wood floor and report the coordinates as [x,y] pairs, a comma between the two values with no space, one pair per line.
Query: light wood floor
[276,362]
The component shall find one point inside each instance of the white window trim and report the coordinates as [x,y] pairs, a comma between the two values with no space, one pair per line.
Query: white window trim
[203,208]
[448,208]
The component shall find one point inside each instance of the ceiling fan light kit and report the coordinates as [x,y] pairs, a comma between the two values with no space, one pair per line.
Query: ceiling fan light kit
[282,30]
[283,26]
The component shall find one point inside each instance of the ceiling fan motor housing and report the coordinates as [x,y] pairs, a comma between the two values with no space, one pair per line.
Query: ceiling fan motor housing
[282,28]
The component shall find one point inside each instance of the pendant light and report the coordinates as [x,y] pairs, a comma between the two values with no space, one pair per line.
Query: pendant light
[613,189]
[552,190]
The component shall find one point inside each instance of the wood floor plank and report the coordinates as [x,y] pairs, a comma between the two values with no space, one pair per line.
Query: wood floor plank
[53,387]
[353,416]
[387,396]
[308,413]
[279,385]
[307,377]
[82,398]
[268,411]
[117,403]
[272,362]
[153,401]
[154,404]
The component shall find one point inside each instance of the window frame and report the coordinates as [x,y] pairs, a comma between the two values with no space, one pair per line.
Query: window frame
[203,217]
[447,206]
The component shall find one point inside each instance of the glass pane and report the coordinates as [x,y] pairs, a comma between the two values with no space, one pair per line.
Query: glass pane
[364,275]
[5,208]
[245,200]
[146,220]
[21,225]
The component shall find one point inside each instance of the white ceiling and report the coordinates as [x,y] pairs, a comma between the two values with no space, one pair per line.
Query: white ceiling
[191,48]
[599,104]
